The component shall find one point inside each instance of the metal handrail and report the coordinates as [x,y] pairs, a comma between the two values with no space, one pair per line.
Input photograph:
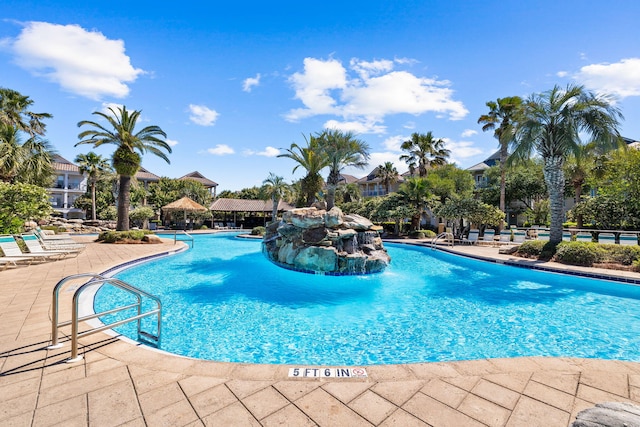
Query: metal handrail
[97,279]
[448,238]
[189,237]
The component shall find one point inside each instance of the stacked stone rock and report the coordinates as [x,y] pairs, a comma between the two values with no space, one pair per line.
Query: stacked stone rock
[316,240]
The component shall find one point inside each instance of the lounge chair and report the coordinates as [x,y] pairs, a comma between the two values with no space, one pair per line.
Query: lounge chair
[52,237]
[472,238]
[59,244]
[607,238]
[566,236]
[543,235]
[34,246]
[504,238]
[13,252]
[519,236]
[487,237]
[584,237]
[628,239]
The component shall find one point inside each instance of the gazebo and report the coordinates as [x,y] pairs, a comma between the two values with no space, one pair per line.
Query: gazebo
[247,206]
[184,204]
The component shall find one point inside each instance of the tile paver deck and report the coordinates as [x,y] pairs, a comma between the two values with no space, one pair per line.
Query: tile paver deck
[118,383]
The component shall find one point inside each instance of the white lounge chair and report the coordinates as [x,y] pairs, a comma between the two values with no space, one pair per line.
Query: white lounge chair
[566,236]
[607,238]
[519,236]
[59,244]
[12,251]
[543,235]
[488,237]
[504,238]
[584,237]
[472,238]
[628,239]
[34,246]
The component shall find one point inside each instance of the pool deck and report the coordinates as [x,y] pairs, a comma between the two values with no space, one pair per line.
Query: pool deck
[118,383]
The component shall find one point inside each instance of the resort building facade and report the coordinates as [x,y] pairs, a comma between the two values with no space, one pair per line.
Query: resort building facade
[69,184]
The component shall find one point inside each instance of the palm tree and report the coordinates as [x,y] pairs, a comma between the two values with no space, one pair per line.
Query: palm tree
[28,162]
[94,165]
[130,147]
[14,113]
[313,160]
[342,149]
[276,189]
[388,175]
[424,152]
[551,126]
[502,119]
[349,192]
[415,192]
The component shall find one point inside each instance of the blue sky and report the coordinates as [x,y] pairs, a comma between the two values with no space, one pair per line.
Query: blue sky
[234,84]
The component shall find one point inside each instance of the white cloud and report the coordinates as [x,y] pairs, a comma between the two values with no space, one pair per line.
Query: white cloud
[357,127]
[171,142]
[562,74]
[82,62]
[621,79]
[267,152]
[461,150]
[468,132]
[376,159]
[394,143]
[250,82]
[371,91]
[108,106]
[202,115]
[221,150]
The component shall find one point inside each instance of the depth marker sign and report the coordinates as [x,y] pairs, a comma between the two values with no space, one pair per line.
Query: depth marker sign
[327,373]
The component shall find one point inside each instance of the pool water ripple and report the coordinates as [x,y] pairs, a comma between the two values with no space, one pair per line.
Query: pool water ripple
[224,301]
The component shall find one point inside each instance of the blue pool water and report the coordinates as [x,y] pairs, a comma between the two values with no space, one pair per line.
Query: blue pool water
[224,301]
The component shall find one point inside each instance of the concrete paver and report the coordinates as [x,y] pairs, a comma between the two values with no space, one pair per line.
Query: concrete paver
[118,383]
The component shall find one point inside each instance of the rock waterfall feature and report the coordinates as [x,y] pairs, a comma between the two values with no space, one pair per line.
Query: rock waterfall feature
[328,242]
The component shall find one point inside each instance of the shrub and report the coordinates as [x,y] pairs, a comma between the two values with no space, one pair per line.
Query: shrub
[580,253]
[531,248]
[429,234]
[625,255]
[204,227]
[258,231]
[122,236]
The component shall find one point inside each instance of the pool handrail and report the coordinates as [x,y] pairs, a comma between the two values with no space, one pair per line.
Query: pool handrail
[97,279]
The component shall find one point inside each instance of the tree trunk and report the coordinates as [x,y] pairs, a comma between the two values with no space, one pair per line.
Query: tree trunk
[274,210]
[93,201]
[554,177]
[503,186]
[577,190]
[124,199]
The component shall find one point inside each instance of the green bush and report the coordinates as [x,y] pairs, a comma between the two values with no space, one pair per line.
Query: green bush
[258,231]
[625,255]
[417,234]
[204,227]
[118,236]
[429,234]
[531,248]
[580,253]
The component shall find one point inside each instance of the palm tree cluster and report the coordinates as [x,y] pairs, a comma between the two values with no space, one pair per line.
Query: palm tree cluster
[27,161]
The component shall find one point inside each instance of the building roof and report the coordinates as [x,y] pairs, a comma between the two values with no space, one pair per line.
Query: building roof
[145,175]
[60,164]
[197,176]
[372,177]
[347,179]
[486,163]
[242,205]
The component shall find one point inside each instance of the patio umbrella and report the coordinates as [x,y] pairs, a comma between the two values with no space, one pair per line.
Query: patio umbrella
[186,205]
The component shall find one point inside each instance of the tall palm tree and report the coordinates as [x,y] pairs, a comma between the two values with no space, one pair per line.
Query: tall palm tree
[551,125]
[349,192]
[424,152]
[14,113]
[28,162]
[313,159]
[388,175]
[131,146]
[94,165]
[416,193]
[276,189]
[342,149]
[502,119]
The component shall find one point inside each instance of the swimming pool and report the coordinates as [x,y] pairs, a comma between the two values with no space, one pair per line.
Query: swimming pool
[224,301]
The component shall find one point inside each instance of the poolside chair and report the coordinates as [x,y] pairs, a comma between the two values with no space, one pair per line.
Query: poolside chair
[504,238]
[59,244]
[628,239]
[566,236]
[584,237]
[488,237]
[12,251]
[52,237]
[519,236]
[543,235]
[472,238]
[34,246]
[607,238]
